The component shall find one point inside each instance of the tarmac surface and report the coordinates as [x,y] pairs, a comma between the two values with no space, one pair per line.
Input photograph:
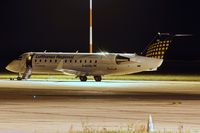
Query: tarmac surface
[39,106]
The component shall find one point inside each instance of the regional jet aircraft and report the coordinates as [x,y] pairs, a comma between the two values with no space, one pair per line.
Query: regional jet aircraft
[92,64]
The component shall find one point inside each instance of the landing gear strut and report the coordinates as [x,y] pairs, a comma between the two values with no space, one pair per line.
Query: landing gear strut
[83,78]
[19,77]
[97,78]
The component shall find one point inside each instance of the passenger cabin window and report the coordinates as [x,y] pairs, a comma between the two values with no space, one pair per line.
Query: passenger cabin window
[70,61]
[65,61]
[50,61]
[75,61]
[35,60]
[45,60]
[40,60]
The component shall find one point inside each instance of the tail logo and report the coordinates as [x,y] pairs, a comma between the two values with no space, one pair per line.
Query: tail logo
[158,49]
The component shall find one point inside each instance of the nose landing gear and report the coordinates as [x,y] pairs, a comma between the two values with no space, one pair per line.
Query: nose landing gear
[19,78]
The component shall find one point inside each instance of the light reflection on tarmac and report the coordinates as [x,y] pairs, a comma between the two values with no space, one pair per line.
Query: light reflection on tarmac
[119,86]
[59,106]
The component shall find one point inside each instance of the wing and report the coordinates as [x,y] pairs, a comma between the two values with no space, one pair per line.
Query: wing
[68,71]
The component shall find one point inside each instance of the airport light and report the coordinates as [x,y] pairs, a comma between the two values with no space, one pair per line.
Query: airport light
[91,28]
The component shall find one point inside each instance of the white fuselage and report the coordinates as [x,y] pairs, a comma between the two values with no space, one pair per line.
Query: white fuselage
[84,64]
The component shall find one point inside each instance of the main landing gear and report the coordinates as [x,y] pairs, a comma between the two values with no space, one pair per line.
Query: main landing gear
[96,78]
[83,78]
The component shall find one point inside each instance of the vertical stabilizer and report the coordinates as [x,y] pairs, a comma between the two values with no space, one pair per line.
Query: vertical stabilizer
[159,46]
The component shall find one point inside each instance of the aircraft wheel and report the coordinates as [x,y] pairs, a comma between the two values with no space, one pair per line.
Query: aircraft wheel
[19,78]
[97,78]
[83,78]
[12,79]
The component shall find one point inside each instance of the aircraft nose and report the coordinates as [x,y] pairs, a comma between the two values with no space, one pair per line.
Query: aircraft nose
[13,66]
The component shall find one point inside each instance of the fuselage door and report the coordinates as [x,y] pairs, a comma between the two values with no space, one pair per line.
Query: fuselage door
[29,60]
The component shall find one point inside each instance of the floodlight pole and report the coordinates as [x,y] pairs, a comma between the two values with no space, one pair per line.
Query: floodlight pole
[91,32]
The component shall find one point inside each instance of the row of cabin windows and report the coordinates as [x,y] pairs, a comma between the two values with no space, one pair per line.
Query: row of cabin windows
[70,61]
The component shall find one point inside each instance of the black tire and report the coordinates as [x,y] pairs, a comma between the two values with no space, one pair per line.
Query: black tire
[97,78]
[83,78]
[12,79]
[19,78]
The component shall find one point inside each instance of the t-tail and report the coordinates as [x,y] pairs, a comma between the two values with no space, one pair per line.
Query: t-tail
[158,47]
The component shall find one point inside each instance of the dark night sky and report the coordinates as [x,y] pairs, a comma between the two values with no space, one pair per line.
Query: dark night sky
[119,26]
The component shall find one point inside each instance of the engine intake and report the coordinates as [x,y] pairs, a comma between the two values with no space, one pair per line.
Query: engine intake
[121,59]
